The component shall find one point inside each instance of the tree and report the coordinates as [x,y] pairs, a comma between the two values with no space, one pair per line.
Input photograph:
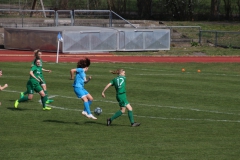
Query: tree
[181,10]
[214,9]
[228,9]
[238,5]
[144,8]
[118,6]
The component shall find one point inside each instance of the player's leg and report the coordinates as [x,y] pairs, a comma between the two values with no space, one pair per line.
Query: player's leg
[130,116]
[80,93]
[119,112]
[25,98]
[87,108]
[44,97]
[44,87]
[90,99]
[22,94]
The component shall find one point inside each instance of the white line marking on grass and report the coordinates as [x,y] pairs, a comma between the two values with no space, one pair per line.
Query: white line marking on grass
[190,119]
[181,108]
[186,73]
[172,107]
[164,118]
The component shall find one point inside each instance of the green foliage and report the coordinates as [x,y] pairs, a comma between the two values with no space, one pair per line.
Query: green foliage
[194,44]
[183,115]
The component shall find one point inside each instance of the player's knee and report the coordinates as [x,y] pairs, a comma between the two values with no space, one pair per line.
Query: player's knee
[123,109]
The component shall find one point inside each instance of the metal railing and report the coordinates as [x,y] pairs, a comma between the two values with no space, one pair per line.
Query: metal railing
[219,38]
[72,14]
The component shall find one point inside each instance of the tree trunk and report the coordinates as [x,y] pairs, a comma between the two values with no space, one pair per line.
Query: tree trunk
[214,10]
[144,8]
[228,9]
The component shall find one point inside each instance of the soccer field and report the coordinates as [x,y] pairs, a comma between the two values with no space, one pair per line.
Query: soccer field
[183,115]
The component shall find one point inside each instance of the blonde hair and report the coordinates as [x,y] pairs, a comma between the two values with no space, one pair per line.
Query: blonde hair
[36,53]
[118,71]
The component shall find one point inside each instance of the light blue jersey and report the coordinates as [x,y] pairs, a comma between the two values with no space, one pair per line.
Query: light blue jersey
[79,78]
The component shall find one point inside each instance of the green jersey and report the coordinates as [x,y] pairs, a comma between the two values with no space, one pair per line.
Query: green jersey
[119,83]
[37,71]
[41,66]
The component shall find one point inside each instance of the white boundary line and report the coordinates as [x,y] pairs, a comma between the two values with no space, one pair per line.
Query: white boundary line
[163,118]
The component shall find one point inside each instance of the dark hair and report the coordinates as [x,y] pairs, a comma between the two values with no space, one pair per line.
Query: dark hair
[82,63]
[36,59]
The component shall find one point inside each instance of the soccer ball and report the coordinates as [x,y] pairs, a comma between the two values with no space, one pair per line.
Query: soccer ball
[97,111]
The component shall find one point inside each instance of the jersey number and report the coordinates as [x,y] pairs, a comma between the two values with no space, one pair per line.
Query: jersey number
[120,82]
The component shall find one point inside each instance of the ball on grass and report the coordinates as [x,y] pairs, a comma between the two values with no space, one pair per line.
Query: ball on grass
[97,111]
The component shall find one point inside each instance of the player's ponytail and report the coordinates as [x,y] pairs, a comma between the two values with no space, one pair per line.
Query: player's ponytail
[118,71]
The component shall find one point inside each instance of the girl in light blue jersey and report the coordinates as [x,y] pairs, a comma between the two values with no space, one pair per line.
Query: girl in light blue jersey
[78,85]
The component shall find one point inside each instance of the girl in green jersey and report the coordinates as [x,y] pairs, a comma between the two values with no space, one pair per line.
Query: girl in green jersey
[33,84]
[37,55]
[119,84]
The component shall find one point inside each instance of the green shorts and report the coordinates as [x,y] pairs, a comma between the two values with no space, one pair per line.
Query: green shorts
[122,100]
[34,86]
[29,88]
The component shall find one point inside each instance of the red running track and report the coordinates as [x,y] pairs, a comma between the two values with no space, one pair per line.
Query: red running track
[26,56]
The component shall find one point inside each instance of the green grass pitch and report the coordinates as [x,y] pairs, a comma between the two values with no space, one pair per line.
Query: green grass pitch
[183,115]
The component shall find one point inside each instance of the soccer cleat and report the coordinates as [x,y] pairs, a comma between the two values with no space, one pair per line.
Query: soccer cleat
[91,116]
[21,94]
[16,104]
[49,101]
[47,108]
[85,114]
[135,124]
[109,121]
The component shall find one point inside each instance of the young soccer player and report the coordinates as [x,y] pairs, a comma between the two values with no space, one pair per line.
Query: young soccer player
[119,83]
[33,84]
[78,85]
[5,85]
[37,55]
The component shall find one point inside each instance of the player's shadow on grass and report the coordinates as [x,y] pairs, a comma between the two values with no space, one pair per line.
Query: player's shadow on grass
[104,124]
[94,122]
[77,123]
[57,121]
[18,109]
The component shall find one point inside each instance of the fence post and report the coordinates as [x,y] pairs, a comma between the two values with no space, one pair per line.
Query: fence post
[200,37]
[72,17]
[216,33]
[110,18]
[73,12]
[56,18]
[22,18]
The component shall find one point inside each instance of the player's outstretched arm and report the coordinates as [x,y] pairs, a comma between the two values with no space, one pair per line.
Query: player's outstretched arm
[108,85]
[46,70]
[3,87]
[72,71]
